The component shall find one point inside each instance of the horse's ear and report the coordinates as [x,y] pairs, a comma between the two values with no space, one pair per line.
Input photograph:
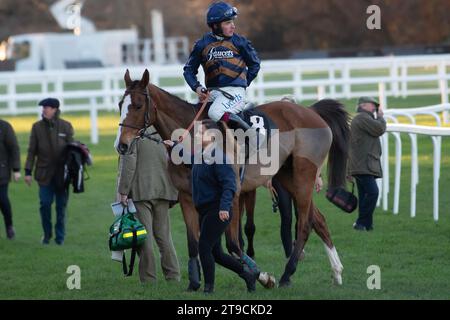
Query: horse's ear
[145,79]
[127,79]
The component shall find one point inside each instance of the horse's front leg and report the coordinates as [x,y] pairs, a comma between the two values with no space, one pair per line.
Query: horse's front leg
[190,216]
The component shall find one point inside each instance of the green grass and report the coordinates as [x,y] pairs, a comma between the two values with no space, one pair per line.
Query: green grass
[412,253]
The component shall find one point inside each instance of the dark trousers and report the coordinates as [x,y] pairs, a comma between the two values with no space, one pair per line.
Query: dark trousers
[285,202]
[210,246]
[5,205]
[368,196]
[47,194]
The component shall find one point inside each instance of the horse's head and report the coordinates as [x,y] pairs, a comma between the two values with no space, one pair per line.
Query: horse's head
[136,113]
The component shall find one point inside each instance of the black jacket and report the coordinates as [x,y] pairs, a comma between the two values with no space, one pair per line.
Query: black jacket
[213,182]
[76,157]
[9,152]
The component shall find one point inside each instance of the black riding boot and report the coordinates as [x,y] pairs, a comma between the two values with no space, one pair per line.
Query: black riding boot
[236,122]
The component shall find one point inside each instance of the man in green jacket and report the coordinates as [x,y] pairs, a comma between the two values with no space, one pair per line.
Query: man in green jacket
[143,177]
[9,161]
[48,141]
[365,152]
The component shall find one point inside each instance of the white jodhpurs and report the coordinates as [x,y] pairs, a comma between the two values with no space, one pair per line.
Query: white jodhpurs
[222,104]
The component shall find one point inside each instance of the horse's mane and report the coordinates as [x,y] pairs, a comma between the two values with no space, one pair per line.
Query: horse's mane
[176,98]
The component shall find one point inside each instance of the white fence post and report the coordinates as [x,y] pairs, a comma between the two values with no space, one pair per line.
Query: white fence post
[12,102]
[385,166]
[385,149]
[398,169]
[320,92]
[59,90]
[298,92]
[398,165]
[345,80]
[332,77]
[436,174]
[382,95]
[260,81]
[414,173]
[94,123]
[107,89]
[443,87]
[404,72]
[172,50]
[394,78]
[115,89]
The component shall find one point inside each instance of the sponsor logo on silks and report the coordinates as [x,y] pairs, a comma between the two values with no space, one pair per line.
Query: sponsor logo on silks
[215,53]
[230,103]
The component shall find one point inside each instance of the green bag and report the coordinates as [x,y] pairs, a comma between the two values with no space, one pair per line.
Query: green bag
[127,233]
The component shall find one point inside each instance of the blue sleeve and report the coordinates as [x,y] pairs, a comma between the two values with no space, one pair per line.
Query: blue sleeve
[192,65]
[251,60]
[227,179]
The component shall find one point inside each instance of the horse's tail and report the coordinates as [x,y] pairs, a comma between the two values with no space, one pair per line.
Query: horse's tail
[338,119]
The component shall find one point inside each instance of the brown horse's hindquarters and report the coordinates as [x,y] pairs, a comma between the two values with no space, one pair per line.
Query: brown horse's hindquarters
[308,143]
[313,144]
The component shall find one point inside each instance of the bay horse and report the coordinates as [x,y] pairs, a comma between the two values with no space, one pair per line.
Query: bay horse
[306,137]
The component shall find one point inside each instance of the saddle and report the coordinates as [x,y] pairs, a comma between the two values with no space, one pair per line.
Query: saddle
[258,120]
[255,118]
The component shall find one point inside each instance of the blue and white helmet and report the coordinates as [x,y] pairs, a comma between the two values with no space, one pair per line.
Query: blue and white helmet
[220,11]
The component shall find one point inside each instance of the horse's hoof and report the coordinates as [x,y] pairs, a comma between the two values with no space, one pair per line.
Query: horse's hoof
[251,254]
[337,280]
[268,281]
[285,281]
[302,256]
[193,287]
[271,283]
[285,284]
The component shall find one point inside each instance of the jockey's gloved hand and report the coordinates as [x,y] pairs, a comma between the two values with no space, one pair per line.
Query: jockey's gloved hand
[202,93]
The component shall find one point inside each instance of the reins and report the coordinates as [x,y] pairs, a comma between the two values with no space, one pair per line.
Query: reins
[199,113]
[142,131]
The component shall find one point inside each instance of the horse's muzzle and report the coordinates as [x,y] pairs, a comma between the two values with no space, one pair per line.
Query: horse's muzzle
[122,148]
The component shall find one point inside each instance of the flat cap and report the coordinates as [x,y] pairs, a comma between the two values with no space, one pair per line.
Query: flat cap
[368,100]
[49,102]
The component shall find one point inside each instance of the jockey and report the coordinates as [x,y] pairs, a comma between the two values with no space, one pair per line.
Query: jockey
[230,64]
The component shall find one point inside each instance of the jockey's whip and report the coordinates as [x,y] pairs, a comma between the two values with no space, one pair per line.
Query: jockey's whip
[199,113]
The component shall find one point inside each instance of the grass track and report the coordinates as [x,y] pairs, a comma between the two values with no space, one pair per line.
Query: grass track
[413,254]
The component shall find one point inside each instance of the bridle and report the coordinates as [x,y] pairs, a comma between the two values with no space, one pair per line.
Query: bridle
[141,134]
[142,131]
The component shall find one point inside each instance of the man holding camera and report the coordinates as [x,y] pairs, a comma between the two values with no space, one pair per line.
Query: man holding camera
[364,158]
